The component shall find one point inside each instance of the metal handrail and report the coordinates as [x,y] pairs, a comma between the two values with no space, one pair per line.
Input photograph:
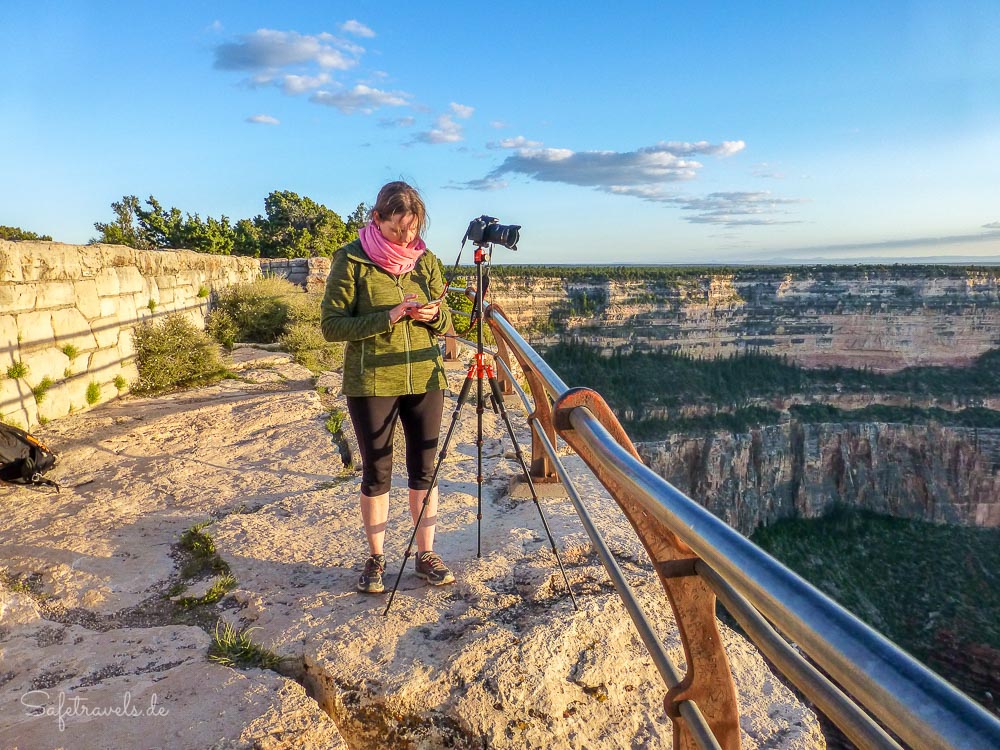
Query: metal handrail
[909,699]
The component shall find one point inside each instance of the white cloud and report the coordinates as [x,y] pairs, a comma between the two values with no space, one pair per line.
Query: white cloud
[263,120]
[445,130]
[643,173]
[267,49]
[296,84]
[731,209]
[486,183]
[357,28]
[992,225]
[518,142]
[361,98]
[724,149]
[462,111]
[399,122]
[498,124]
[645,166]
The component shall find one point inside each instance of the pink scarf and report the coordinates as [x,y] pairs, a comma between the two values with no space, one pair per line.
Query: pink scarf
[396,259]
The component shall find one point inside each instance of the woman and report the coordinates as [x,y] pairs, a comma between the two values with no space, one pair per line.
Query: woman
[383,298]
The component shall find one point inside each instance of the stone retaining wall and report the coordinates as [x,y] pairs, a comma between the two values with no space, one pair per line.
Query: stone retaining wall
[67,314]
[309,273]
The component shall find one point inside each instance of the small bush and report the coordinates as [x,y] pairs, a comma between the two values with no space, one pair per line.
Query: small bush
[335,422]
[42,388]
[68,372]
[302,336]
[120,383]
[234,648]
[304,307]
[306,342]
[200,555]
[259,309]
[219,589]
[17,370]
[174,353]
[70,351]
[93,392]
[221,327]
[203,291]
[152,305]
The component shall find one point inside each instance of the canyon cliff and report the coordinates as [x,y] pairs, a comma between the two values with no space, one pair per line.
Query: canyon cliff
[926,472]
[884,318]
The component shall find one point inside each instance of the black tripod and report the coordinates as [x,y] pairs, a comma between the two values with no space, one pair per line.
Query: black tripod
[479,370]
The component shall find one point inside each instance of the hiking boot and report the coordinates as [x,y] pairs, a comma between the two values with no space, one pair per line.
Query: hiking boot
[432,569]
[370,581]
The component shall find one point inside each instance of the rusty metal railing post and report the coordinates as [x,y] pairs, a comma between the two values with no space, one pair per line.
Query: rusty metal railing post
[450,345]
[505,385]
[540,467]
[708,682]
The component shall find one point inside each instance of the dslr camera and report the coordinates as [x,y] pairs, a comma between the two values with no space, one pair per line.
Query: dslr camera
[487,230]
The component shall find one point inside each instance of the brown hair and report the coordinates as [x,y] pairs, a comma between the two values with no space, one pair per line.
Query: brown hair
[399,198]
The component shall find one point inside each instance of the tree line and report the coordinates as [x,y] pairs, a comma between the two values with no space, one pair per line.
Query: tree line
[16,233]
[292,226]
[636,380]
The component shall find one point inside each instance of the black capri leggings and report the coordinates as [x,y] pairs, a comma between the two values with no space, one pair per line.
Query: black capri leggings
[374,419]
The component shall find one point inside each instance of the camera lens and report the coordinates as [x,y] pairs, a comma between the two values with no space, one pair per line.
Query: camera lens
[503,234]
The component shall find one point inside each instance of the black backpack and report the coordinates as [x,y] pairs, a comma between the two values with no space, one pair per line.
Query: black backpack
[24,458]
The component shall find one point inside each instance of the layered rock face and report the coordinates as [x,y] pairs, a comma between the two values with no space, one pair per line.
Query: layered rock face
[67,314]
[925,472]
[884,318]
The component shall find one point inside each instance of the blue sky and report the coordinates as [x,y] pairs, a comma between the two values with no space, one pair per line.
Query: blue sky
[647,132]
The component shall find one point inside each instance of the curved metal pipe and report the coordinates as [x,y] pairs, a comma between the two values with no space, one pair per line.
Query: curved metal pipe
[841,710]
[924,710]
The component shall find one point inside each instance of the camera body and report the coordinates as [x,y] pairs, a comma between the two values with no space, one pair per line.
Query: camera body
[487,230]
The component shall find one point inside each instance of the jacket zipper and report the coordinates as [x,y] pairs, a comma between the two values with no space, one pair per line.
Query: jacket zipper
[406,337]
[362,369]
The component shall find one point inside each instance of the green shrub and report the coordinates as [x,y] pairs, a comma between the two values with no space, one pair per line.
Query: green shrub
[199,554]
[259,309]
[302,336]
[41,389]
[203,291]
[234,648]
[120,383]
[93,392]
[70,351]
[304,307]
[222,586]
[306,342]
[221,327]
[152,305]
[17,370]
[173,353]
[335,422]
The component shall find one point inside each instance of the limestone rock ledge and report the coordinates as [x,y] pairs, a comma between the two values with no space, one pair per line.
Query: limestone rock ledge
[499,660]
[68,686]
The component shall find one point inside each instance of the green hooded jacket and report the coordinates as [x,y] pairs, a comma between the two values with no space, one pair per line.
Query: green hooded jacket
[382,359]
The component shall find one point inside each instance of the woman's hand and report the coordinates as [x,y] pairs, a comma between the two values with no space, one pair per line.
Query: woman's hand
[404,308]
[426,313]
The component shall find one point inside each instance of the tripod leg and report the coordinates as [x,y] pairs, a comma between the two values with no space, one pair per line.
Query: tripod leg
[463,396]
[498,400]
[479,465]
